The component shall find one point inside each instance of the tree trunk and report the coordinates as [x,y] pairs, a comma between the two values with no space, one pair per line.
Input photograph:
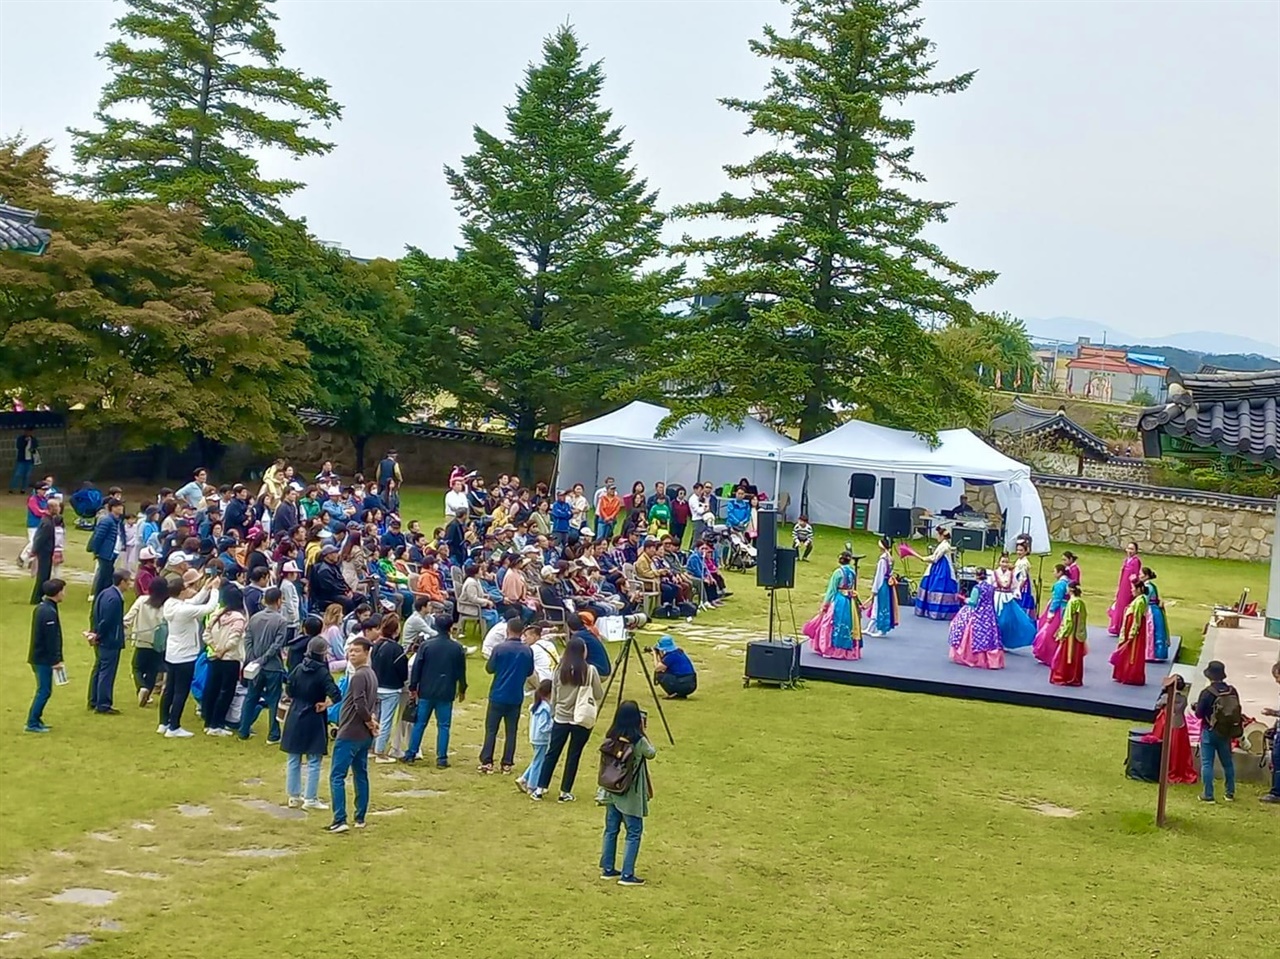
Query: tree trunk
[360,440]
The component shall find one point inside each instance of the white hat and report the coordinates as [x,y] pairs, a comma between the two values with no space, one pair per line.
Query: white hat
[290,567]
[176,558]
[146,553]
[548,571]
[588,561]
[586,532]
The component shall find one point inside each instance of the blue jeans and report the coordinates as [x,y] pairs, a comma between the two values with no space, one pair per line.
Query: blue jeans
[1211,744]
[44,689]
[353,755]
[102,681]
[266,685]
[604,529]
[531,775]
[613,822]
[443,711]
[293,776]
[1275,766]
[388,700]
[21,476]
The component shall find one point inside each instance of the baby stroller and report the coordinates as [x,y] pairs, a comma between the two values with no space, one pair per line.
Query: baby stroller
[733,549]
[86,502]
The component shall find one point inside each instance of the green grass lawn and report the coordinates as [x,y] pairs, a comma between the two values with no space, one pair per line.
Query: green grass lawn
[827,821]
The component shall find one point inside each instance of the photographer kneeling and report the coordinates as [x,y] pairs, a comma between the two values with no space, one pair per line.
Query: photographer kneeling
[673,670]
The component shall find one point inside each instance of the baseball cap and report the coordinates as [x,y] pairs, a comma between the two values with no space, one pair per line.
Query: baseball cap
[328,549]
[177,558]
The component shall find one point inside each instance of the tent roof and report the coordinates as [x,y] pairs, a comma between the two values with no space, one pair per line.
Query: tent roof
[635,426]
[861,445]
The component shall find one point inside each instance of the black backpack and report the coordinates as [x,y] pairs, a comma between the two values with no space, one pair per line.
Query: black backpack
[618,765]
[1227,717]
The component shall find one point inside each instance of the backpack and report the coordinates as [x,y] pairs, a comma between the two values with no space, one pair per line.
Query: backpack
[1227,718]
[618,765]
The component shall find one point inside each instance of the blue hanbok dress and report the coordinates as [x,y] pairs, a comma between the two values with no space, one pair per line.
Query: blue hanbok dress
[939,594]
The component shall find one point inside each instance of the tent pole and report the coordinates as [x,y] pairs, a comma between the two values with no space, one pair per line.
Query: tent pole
[596,484]
[777,480]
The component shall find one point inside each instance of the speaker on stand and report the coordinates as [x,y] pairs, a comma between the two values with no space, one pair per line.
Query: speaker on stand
[862,490]
[773,660]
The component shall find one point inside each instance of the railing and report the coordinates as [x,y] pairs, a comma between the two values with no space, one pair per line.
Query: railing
[1049,481]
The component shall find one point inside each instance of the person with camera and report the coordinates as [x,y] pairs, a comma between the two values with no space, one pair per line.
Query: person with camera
[624,791]
[673,669]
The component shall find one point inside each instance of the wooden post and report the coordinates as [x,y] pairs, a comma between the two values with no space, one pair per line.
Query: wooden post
[1166,745]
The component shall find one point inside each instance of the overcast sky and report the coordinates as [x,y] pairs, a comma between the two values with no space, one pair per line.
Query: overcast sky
[1113,161]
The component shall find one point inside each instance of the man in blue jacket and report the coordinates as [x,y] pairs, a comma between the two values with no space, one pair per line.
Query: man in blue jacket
[738,513]
[106,634]
[511,664]
[46,651]
[561,514]
[104,544]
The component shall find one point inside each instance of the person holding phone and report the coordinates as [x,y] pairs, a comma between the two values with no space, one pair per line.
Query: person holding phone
[196,599]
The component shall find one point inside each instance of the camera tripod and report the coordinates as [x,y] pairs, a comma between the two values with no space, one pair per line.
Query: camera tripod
[619,672]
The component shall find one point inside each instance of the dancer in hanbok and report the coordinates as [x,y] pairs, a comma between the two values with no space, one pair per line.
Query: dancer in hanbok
[836,632]
[1124,590]
[1129,659]
[974,637]
[1157,625]
[1182,768]
[1022,578]
[939,595]
[1046,644]
[1016,628]
[1072,563]
[883,615]
[1072,640]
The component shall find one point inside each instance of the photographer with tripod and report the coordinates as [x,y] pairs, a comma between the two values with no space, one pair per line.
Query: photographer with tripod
[673,669]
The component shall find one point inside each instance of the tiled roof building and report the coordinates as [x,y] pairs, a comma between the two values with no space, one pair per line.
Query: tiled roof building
[1232,413]
[18,231]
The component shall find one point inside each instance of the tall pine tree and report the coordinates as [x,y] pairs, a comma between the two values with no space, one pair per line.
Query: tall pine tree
[823,301]
[552,293]
[196,86]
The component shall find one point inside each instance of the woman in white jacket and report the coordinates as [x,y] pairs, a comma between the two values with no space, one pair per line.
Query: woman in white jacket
[141,623]
[183,615]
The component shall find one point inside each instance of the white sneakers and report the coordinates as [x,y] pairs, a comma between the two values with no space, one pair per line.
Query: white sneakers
[211,731]
[162,728]
[178,733]
[295,802]
[318,804]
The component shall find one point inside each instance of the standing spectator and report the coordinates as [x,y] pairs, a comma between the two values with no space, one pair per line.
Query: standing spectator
[1218,709]
[1273,796]
[193,492]
[511,665]
[263,643]
[681,513]
[285,519]
[312,692]
[27,448]
[439,678]
[391,668]
[145,626]
[146,573]
[455,536]
[225,641]
[561,517]
[291,609]
[43,542]
[699,511]
[106,634]
[104,544]
[45,654]
[608,506]
[577,500]
[539,736]
[576,693]
[357,725]
[389,470]
[182,615]
[456,499]
[630,806]
[37,510]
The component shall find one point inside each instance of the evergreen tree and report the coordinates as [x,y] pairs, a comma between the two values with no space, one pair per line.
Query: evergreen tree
[824,301]
[130,318]
[551,294]
[196,86]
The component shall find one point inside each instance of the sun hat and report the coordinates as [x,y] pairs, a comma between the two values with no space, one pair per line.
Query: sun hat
[146,553]
[1215,671]
[548,572]
[665,645]
[177,558]
[290,567]
[191,577]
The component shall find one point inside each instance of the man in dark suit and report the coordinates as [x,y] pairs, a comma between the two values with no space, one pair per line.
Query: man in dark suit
[285,518]
[106,634]
[46,651]
[104,544]
[42,547]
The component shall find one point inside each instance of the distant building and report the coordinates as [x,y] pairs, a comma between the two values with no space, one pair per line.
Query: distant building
[1032,422]
[1114,376]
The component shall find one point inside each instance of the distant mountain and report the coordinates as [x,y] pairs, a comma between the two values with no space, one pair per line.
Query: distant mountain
[1224,345]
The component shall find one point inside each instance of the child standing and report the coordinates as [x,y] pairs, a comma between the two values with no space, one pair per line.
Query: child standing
[132,534]
[802,537]
[539,735]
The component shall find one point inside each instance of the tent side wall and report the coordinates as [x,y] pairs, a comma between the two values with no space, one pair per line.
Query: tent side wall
[830,505]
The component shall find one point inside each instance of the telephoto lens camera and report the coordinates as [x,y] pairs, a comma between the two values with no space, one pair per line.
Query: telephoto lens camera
[646,649]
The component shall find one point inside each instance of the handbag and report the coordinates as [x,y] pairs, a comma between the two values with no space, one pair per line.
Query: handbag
[585,709]
[409,712]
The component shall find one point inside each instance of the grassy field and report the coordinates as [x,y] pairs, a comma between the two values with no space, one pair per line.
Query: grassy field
[828,821]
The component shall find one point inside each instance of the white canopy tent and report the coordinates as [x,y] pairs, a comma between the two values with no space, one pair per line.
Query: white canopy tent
[625,444]
[930,477]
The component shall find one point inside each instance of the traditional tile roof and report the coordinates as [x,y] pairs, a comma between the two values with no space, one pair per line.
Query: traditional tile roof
[1027,420]
[19,232]
[1236,413]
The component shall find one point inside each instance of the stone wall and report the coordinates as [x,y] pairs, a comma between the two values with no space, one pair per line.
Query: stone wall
[1161,520]
[1061,464]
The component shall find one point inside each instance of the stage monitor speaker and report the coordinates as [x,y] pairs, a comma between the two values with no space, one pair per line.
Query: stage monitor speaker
[766,544]
[962,538]
[785,559]
[906,597]
[896,524]
[776,661]
[862,486]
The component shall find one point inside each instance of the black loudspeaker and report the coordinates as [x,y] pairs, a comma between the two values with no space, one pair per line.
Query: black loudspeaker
[767,545]
[962,538]
[896,523]
[1143,760]
[862,486]
[785,559]
[905,596]
[888,486]
[772,662]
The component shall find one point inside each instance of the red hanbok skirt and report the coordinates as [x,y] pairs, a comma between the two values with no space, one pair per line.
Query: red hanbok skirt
[1182,768]
[1129,662]
[1067,668]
